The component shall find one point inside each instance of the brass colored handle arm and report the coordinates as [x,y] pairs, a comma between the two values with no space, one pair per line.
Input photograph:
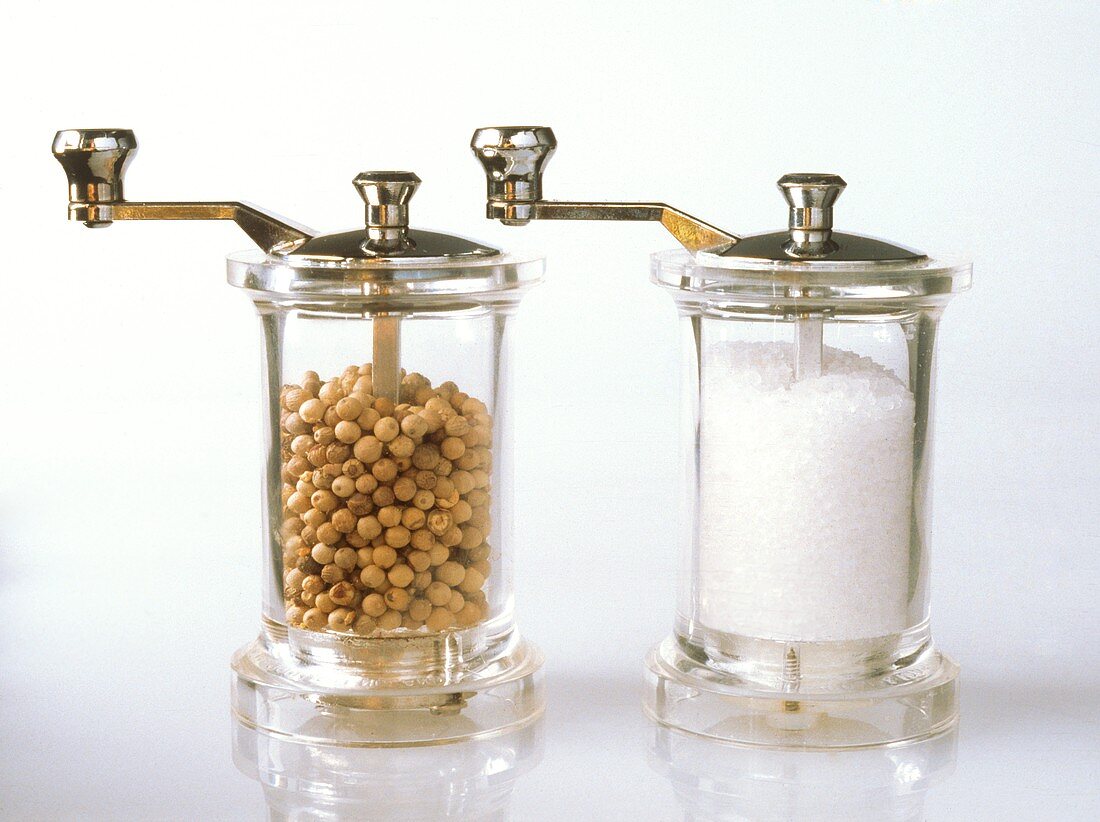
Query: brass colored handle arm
[264,228]
[94,161]
[692,233]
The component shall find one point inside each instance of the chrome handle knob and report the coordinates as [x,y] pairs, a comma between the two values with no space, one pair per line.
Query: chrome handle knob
[94,160]
[513,158]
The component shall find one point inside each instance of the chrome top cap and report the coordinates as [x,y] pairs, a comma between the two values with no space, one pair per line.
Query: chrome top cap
[388,238]
[809,237]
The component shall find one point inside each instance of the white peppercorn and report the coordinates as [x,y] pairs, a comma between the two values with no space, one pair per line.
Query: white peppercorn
[397,598]
[384,556]
[312,411]
[404,488]
[324,501]
[450,572]
[389,515]
[347,432]
[341,619]
[386,429]
[345,558]
[400,575]
[322,553]
[372,576]
[331,392]
[368,527]
[342,593]
[343,487]
[349,408]
[386,505]
[373,605]
[401,446]
[440,619]
[365,625]
[384,470]
[438,593]
[313,518]
[294,424]
[367,449]
[456,604]
[472,581]
[419,610]
[294,614]
[345,521]
[390,620]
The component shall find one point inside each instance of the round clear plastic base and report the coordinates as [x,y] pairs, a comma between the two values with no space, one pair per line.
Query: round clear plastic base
[276,691]
[909,701]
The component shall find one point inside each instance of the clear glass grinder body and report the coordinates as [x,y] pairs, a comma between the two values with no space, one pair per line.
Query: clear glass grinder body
[802,617]
[387,495]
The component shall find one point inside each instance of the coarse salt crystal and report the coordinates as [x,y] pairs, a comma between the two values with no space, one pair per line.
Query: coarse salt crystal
[805,495]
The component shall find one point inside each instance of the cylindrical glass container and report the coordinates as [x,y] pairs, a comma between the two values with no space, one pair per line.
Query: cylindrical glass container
[802,617]
[387,594]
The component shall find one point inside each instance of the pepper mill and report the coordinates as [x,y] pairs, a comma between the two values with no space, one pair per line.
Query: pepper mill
[387,531]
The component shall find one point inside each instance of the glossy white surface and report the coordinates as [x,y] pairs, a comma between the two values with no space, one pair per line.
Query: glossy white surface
[129,550]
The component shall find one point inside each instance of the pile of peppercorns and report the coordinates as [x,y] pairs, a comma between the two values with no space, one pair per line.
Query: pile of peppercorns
[385,506]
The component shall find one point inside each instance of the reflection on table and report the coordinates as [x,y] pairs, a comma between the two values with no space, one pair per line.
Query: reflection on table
[469,780]
[717,781]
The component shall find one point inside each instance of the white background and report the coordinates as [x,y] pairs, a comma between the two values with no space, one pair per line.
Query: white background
[129,520]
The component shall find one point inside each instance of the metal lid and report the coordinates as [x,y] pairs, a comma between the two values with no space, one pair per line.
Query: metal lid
[387,237]
[809,239]
[387,261]
[809,264]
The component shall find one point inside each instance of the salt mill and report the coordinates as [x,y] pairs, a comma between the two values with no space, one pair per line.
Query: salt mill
[387,514]
[803,620]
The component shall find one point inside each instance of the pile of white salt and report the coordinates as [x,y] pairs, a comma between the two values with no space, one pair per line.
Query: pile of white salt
[805,495]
